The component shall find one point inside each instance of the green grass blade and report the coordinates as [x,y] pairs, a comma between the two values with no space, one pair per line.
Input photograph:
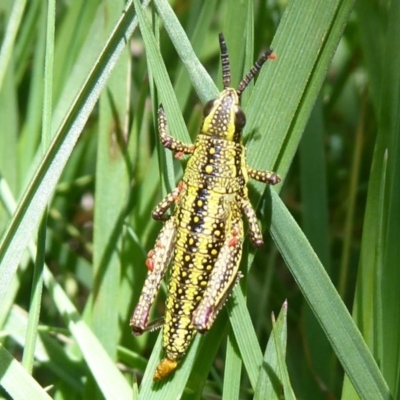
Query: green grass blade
[113,166]
[9,38]
[38,193]
[323,299]
[198,40]
[37,281]
[48,350]
[280,346]
[287,88]
[245,335]
[268,382]
[315,223]
[202,83]
[17,381]
[109,379]
[233,370]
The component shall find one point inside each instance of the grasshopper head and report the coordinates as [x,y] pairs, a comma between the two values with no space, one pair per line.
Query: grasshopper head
[223,117]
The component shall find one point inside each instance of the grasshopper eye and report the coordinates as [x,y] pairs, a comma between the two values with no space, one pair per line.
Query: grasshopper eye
[240,119]
[207,107]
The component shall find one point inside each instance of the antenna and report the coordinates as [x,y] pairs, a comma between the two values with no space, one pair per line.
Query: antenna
[226,69]
[254,69]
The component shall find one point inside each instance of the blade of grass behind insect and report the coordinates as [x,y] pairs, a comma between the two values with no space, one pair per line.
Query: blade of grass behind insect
[103,369]
[315,224]
[8,137]
[235,15]
[201,81]
[324,300]
[25,40]
[304,43]
[289,89]
[113,167]
[268,381]
[9,37]
[233,370]
[17,381]
[165,157]
[205,357]
[245,334]
[281,352]
[389,126]
[29,137]
[37,281]
[72,35]
[385,251]
[163,82]
[173,387]
[377,314]
[372,24]
[75,25]
[40,189]
[8,102]
[182,84]
[49,350]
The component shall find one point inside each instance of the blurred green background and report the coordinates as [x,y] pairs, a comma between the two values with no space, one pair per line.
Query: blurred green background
[79,178]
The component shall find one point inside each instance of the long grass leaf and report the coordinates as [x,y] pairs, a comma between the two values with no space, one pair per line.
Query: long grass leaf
[38,193]
[17,381]
[324,300]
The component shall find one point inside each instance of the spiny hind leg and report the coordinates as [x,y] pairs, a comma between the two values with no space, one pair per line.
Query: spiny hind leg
[224,276]
[269,177]
[167,201]
[157,263]
[168,141]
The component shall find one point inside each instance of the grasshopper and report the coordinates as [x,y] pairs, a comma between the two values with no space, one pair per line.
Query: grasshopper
[202,240]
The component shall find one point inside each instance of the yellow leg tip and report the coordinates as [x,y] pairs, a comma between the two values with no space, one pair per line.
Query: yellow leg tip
[165,368]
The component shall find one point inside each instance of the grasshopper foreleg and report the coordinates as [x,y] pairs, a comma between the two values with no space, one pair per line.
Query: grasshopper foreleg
[166,202]
[168,141]
[272,178]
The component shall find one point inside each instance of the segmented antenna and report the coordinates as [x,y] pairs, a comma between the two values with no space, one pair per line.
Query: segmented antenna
[254,69]
[226,69]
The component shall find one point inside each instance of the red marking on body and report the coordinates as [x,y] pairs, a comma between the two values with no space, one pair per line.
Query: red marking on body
[234,240]
[150,260]
[272,56]
[179,155]
[180,188]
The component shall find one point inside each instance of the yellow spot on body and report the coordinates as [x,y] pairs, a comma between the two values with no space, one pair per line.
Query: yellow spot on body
[217,233]
[200,203]
[196,219]
[209,169]
[214,252]
[212,150]
[187,258]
